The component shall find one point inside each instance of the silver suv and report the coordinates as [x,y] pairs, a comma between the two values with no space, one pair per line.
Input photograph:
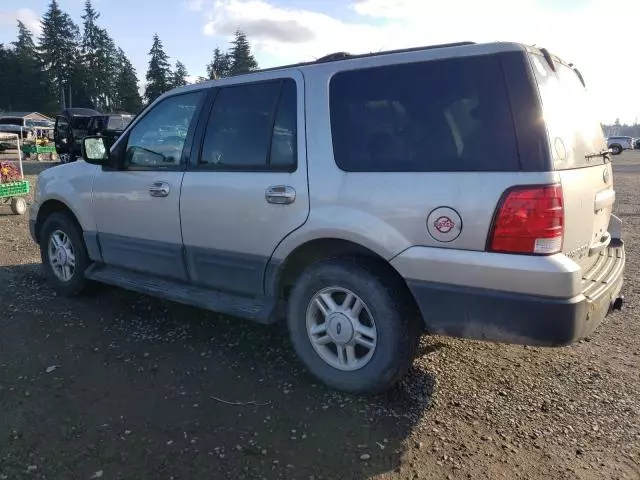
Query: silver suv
[462,189]
[619,144]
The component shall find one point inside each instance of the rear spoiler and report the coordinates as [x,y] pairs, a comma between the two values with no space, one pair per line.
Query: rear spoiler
[547,56]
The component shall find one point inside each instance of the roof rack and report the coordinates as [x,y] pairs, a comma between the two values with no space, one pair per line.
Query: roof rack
[339,56]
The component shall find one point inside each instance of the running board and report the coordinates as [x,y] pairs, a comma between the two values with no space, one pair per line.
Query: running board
[260,310]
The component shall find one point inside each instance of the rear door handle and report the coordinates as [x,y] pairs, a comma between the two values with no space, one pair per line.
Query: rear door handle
[280,195]
[159,189]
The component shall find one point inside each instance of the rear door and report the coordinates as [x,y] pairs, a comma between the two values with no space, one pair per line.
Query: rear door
[576,138]
[247,186]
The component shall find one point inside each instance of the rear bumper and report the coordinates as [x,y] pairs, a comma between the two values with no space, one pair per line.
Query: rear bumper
[525,319]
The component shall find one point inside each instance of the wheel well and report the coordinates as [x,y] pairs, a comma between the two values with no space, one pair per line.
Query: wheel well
[49,207]
[323,249]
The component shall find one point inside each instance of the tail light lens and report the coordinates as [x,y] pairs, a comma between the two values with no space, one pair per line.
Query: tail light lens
[529,220]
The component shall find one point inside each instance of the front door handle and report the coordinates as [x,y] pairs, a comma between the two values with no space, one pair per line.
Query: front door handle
[159,189]
[280,195]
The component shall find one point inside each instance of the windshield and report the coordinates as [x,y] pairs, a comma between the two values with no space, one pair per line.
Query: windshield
[574,130]
[80,123]
[12,121]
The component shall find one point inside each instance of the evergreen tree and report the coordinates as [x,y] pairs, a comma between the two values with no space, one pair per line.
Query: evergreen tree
[59,48]
[220,65]
[99,55]
[242,60]
[179,75]
[7,86]
[89,49]
[24,45]
[30,89]
[128,98]
[159,73]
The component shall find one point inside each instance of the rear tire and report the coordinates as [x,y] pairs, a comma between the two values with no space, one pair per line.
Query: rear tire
[355,347]
[64,255]
[616,149]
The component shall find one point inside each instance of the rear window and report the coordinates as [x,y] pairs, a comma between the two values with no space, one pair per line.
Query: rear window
[440,116]
[119,122]
[574,130]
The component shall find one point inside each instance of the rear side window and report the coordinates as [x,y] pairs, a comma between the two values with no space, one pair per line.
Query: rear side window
[441,116]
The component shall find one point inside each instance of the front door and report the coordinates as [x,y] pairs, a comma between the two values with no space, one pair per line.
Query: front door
[137,208]
[247,186]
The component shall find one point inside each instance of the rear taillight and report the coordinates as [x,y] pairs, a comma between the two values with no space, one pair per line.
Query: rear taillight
[529,220]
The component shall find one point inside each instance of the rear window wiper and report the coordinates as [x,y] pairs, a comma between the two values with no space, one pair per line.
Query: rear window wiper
[603,154]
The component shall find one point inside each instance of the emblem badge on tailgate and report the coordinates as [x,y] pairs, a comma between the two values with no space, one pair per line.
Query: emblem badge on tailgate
[605,175]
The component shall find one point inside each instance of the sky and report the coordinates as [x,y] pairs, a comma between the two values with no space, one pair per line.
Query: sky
[288,31]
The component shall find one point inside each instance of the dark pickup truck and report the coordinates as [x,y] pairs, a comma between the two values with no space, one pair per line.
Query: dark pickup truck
[73,124]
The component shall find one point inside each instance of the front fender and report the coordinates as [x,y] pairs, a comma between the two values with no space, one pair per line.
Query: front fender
[70,184]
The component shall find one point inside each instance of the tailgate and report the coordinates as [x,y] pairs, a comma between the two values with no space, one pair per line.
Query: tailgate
[588,202]
[576,143]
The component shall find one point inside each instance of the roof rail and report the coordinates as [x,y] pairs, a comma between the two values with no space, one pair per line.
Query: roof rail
[339,56]
[332,57]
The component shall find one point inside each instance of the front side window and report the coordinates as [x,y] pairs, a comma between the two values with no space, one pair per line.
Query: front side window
[438,116]
[158,139]
[62,127]
[252,127]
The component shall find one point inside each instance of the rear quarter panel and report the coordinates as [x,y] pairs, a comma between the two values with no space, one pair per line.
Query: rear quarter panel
[387,212]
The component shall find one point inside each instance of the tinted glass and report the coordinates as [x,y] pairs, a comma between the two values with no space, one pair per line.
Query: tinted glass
[438,116]
[118,123]
[569,114]
[240,127]
[12,121]
[61,125]
[285,132]
[158,138]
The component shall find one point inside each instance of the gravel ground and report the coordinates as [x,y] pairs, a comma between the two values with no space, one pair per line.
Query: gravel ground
[116,385]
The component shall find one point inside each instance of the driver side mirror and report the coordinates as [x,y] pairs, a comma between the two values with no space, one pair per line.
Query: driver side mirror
[94,150]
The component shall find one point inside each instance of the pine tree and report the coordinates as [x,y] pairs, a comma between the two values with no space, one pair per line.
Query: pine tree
[59,48]
[30,89]
[220,65]
[99,56]
[7,80]
[242,60]
[128,97]
[24,45]
[89,47]
[179,75]
[159,72]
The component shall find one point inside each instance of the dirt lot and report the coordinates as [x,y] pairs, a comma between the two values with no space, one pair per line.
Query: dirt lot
[120,386]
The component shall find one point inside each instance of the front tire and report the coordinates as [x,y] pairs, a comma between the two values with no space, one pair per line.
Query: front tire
[64,255]
[353,325]
[616,149]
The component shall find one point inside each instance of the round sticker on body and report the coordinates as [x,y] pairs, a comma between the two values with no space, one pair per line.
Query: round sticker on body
[444,224]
